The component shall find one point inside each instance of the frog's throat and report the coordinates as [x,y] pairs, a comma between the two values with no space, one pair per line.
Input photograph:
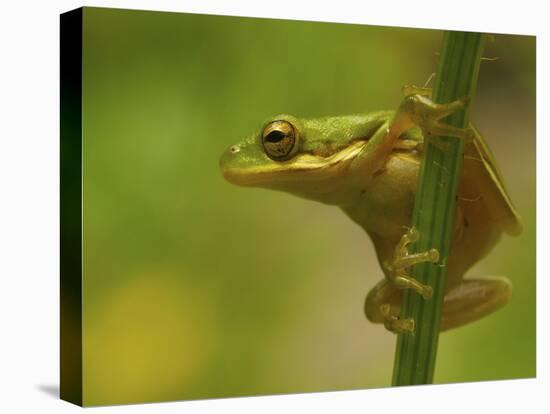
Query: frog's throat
[303,167]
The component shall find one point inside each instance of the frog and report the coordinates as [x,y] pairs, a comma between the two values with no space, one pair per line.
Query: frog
[367,165]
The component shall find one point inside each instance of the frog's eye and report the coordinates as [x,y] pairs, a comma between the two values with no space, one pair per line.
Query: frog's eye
[278,139]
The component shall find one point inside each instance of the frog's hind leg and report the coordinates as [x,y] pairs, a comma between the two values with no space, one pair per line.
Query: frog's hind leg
[468,302]
[474,299]
[397,269]
[383,301]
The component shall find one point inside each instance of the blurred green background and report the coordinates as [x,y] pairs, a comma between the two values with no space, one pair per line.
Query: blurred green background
[194,288]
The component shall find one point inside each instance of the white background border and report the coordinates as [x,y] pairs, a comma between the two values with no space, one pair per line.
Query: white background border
[29,205]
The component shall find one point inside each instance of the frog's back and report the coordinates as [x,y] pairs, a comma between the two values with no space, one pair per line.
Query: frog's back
[484,212]
[482,175]
[482,182]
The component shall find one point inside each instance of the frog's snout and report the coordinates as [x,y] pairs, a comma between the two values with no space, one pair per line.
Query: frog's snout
[227,163]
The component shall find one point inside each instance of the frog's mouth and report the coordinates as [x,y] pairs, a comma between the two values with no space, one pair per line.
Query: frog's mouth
[302,167]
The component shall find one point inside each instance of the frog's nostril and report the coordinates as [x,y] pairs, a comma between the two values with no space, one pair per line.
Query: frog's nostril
[235,149]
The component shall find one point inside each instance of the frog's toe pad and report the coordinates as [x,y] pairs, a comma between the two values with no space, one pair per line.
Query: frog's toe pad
[394,323]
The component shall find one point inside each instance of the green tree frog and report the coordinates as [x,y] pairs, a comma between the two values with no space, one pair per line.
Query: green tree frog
[367,165]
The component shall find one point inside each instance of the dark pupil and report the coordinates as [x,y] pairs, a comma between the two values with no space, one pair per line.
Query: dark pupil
[275,136]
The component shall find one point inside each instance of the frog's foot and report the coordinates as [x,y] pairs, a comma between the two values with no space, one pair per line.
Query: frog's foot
[397,270]
[394,323]
[418,109]
[474,299]
[383,304]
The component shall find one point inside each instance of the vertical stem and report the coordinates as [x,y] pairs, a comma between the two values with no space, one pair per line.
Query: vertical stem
[434,209]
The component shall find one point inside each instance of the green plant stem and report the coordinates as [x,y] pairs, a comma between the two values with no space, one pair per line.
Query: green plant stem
[434,210]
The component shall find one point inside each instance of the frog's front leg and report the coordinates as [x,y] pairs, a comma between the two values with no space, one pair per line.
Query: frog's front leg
[418,109]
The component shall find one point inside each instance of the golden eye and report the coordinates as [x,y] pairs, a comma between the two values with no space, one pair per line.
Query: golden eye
[279,138]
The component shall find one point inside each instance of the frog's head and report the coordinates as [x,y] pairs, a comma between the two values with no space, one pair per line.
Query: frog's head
[309,158]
